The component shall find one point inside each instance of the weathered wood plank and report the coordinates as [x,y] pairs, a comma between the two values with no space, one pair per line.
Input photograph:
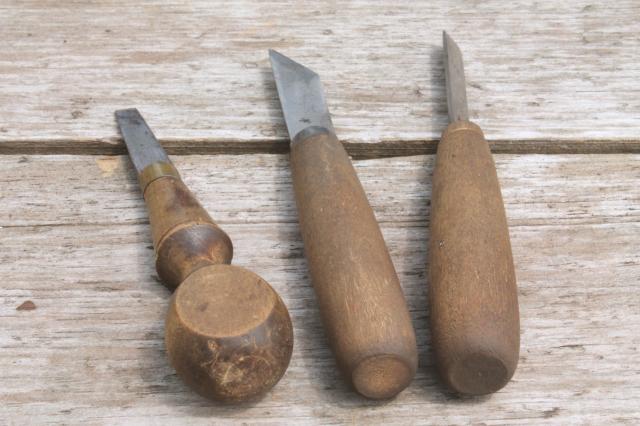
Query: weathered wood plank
[92,350]
[543,76]
[538,189]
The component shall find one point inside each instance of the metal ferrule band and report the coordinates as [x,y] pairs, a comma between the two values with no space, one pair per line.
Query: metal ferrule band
[309,132]
[155,171]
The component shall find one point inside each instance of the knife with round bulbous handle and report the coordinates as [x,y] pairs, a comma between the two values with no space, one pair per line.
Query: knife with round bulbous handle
[227,332]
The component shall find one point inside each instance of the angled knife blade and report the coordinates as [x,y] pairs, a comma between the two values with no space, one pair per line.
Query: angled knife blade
[301,95]
[455,82]
[358,291]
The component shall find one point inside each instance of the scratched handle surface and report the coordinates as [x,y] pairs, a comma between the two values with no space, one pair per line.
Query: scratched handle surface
[361,302]
[473,294]
[228,333]
[185,237]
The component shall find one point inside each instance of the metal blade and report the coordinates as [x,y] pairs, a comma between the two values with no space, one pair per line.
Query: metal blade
[142,145]
[301,95]
[454,76]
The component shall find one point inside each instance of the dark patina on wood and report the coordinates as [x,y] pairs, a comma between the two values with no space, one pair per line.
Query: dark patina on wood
[361,302]
[473,296]
[228,334]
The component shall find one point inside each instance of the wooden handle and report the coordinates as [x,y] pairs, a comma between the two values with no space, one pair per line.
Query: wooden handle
[473,295]
[361,302]
[228,334]
[185,237]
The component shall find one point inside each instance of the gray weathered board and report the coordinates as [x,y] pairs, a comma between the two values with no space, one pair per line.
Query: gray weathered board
[543,76]
[81,311]
[75,241]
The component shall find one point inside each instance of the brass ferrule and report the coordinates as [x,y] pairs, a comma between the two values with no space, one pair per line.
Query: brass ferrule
[456,126]
[155,171]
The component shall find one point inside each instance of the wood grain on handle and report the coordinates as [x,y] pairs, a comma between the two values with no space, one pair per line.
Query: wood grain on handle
[228,333]
[473,295]
[361,302]
[184,235]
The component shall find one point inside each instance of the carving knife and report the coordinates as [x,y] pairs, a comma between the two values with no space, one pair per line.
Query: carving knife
[228,334]
[361,302]
[473,296]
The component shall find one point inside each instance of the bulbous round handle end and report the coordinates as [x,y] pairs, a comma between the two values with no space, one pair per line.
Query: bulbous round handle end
[228,334]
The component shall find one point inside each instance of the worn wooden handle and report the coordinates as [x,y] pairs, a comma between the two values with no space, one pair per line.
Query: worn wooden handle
[228,334]
[361,302]
[185,237]
[473,294]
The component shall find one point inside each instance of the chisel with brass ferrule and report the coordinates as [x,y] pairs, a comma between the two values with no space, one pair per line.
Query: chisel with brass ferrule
[473,296]
[361,302]
[228,334]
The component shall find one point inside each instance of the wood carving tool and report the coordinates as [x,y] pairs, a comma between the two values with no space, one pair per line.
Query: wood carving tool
[228,334]
[361,302]
[473,296]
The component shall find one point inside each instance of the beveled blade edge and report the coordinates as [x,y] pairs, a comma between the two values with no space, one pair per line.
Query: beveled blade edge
[142,145]
[301,95]
[455,81]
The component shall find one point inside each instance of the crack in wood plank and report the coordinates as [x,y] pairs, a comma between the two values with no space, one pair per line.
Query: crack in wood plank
[382,149]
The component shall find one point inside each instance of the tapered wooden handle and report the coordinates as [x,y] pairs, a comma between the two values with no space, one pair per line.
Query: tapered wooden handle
[361,302]
[228,334]
[473,294]
[185,237]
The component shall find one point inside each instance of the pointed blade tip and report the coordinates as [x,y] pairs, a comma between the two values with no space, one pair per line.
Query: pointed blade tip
[278,61]
[301,94]
[273,56]
[274,53]
[454,80]
[278,58]
[449,44]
